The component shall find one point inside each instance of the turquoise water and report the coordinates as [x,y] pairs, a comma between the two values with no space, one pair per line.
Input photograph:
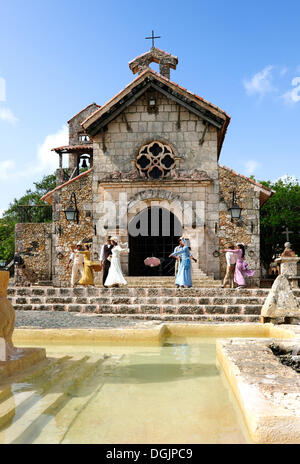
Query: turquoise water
[173,393]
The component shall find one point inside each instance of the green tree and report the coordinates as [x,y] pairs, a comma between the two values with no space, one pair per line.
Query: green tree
[25,209]
[280,211]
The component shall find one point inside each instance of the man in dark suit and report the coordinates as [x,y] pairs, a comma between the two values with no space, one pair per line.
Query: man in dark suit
[106,253]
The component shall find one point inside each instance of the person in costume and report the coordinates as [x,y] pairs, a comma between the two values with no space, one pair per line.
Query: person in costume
[178,260]
[184,275]
[115,275]
[105,255]
[230,267]
[88,274]
[241,267]
[77,267]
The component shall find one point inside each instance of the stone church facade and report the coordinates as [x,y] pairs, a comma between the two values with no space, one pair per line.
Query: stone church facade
[153,146]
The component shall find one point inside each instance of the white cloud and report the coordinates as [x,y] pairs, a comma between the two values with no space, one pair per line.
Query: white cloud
[283,71]
[46,160]
[7,115]
[261,82]
[251,166]
[293,95]
[2,89]
[6,169]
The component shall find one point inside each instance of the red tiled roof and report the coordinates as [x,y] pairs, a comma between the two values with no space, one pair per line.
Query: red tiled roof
[151,71]
[248,179]
[70,148]
[119,95]
[48,196]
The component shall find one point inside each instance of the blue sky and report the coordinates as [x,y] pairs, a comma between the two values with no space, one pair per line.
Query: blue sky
[58,56]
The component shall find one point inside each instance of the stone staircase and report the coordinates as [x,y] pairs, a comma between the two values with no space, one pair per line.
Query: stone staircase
[152,303]
[200,280]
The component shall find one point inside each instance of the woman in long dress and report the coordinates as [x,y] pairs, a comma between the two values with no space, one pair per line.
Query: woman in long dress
[184,275]
[241,267]
[115,276]
[87,274]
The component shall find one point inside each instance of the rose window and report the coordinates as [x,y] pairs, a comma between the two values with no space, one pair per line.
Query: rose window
[155,160]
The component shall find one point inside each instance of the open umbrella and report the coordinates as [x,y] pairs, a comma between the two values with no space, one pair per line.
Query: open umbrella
[152,262]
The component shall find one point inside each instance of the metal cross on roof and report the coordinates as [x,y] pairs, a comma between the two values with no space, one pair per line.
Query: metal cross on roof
[153,37]
[287,233]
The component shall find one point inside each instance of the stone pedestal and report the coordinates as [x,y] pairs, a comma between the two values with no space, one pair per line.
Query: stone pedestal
[288,267]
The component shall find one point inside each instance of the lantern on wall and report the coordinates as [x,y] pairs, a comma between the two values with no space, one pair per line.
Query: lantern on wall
[72,213]
[235,210]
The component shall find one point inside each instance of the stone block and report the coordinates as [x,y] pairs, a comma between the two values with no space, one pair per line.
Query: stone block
[58,307]
[24,291]
[153,292]
[211,309]
[121,300]
[233,309]
[90,308]
[74,308]
[253,309]
[38,291]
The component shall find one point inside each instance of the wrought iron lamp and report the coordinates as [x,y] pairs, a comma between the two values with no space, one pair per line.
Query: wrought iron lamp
[72,213]
[235,210]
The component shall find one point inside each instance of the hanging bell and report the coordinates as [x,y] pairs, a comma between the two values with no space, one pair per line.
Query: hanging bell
[84,163]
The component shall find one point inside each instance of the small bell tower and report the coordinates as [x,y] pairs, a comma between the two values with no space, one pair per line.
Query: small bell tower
[165,60]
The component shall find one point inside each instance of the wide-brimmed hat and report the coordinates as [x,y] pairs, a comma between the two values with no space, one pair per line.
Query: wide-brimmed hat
[114,239]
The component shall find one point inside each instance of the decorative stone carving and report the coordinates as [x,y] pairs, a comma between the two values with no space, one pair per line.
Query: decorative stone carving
[155,160]
[118,175]
[195,174]
[280,302]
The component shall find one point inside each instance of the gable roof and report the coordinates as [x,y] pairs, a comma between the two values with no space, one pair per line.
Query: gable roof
[48,196]
[151,79]
[265,192]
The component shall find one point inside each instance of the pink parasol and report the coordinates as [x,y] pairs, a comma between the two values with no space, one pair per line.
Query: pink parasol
[152,262]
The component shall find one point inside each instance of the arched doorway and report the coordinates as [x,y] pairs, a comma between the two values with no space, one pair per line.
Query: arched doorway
[154,231]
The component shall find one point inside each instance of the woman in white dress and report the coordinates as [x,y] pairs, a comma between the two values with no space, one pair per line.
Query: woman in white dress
[115,276]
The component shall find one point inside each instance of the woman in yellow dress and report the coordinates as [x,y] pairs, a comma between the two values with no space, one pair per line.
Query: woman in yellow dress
[88,274]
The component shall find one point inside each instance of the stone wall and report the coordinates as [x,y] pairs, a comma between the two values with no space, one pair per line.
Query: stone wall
[116,148]
[33,242]
[70,232]
[75,127]
[247,197]
[195,148]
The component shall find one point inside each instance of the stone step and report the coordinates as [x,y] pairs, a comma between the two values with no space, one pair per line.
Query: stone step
[136,291]
[147,308]
[136,300]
